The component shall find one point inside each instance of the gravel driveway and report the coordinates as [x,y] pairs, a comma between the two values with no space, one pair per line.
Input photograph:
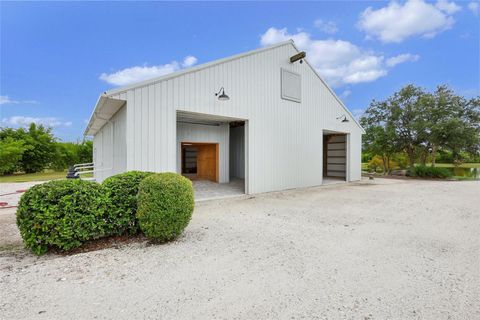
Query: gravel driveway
[387,249]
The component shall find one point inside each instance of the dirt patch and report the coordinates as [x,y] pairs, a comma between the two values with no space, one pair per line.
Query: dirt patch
[104,243]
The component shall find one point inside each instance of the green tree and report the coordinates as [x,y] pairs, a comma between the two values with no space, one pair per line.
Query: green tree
[85,151]
[450,122]
[403,113]
[422,124]
[11,152]
[65,155]
[394,124]
[70,153]
[380,136]
[40,150]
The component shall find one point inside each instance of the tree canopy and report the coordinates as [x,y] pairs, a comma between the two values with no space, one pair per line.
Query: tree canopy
[36,148]
[421,123]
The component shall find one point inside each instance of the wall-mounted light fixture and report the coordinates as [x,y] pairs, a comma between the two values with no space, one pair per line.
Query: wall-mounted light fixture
[298,56]
[222,96]
[344,118]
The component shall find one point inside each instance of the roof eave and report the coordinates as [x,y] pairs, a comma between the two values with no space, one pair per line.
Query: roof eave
[111,105]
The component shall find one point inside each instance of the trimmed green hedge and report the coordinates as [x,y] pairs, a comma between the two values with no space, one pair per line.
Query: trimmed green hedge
[165,205]
[61,214]
[64,214]
[121,191]
[431,172]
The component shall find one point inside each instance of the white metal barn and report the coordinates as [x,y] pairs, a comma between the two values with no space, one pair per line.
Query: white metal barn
[255,117]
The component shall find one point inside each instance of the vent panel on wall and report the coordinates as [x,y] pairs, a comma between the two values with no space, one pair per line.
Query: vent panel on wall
[291,86]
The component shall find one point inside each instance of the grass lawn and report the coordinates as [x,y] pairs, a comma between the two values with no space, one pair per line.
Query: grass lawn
[440,165]
[38,176]
[464,165]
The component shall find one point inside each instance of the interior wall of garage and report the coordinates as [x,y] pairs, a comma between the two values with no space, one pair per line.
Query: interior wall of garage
[237,152]
[187,132]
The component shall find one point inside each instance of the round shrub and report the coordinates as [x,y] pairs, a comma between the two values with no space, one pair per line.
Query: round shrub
[121,191]
[61,214]
[165,205]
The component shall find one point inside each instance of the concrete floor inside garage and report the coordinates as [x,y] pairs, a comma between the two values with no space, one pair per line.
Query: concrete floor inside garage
[207,190]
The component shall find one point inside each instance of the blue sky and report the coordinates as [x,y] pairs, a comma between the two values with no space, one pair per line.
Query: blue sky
[57,57]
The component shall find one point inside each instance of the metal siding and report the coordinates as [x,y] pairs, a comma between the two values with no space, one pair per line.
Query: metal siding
[284,137]
[204,133]
[111,147]
[119,141]
[97,154]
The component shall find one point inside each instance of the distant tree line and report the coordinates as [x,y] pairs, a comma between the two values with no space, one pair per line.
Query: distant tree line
[421,127]
[36,149]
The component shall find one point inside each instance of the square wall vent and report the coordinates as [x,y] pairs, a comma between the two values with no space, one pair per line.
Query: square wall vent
[291,85]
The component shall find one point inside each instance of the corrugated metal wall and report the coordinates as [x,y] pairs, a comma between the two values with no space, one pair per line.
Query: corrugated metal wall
[98,154]
[110,151]
[284,138]
[187,132]
[237,152]
[119,121]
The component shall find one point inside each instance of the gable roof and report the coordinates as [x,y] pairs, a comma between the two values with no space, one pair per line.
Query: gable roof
[107,94]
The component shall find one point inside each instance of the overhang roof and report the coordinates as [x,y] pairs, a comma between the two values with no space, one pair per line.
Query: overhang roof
[104,110]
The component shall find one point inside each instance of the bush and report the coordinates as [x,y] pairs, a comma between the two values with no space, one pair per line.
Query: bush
[121,191]
[431,172]
[61,214]
[165,205]
[376,163]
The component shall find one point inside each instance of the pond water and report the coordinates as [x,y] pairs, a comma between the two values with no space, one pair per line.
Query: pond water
[472,173]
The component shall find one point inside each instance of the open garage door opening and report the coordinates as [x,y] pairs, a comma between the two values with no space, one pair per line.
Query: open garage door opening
[334,157]
[212,152]
[200,161]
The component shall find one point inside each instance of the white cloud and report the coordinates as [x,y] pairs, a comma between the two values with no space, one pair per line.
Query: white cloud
[138,73]
[189,61]
[339,62]
[346,93]
[7,100]
[401,58]
[274,35]
[448,7]
[329,27]
[21,121]
[474,6]
[397,22]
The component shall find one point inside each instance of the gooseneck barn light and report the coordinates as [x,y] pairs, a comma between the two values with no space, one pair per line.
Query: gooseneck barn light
[298,56]
[344,118]
[222,96]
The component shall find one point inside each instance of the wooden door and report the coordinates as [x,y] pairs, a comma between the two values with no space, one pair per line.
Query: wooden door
[207,162]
